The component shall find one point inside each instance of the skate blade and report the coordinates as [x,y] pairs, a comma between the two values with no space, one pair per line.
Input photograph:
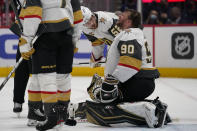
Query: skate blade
[18,115]
[57,128]
[32,122]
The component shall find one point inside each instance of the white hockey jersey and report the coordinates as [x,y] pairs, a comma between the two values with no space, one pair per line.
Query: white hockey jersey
[104,33]
[55,15]
[130,56]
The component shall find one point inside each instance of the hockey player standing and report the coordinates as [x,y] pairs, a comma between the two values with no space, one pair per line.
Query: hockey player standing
[52,56]
[21,76]
[129,77]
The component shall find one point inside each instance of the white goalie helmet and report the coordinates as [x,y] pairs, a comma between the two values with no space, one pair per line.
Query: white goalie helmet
[86,14]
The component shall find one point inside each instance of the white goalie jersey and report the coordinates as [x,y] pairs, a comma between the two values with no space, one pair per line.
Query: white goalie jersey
[103,34]
[129,56]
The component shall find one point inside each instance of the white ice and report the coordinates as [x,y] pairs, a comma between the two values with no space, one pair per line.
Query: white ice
[179,94]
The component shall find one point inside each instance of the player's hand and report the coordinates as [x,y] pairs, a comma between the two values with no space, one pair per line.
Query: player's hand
[25,47]
[75,41]
[109,89]
[94,63]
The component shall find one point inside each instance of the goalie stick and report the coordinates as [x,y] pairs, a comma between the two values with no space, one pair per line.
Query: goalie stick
[33,41]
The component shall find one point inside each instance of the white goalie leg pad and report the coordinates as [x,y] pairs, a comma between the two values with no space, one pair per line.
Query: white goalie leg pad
[142,109]
[63,82]
[33,83]
[47,82]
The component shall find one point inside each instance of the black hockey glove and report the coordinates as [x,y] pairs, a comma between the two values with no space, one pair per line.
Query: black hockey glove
[109,89]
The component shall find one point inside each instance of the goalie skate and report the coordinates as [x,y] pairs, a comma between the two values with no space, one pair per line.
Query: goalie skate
[160,112]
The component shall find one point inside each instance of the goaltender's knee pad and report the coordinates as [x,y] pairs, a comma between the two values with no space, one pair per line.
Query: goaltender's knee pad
[33,83]
[47,82]
[63,82]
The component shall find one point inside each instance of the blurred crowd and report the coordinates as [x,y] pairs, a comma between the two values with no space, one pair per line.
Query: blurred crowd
[165,12]
[162,12]
[6,14]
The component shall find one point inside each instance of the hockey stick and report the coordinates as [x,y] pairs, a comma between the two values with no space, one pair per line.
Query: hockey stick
[85,63]
[16,66]
[20,60]
[16,14]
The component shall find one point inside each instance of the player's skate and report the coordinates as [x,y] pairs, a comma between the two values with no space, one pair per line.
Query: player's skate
[17,109]
[52,119]
[63,115]
[35,114]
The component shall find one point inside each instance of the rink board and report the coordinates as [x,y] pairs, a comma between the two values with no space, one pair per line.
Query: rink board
[173,49]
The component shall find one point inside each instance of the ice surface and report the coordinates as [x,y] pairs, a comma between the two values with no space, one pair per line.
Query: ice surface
[179,94]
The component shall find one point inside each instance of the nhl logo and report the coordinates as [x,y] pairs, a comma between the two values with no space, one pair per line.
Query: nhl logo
[183,45]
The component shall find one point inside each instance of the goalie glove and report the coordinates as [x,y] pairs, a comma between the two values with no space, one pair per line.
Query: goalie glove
[94,88]
[25,47]
[109,89]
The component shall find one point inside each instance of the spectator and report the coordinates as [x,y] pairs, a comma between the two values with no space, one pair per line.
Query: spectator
[128,4]
[176,17]
[190,12]
[164,6]
[153,17]
[6,20]
[164,18]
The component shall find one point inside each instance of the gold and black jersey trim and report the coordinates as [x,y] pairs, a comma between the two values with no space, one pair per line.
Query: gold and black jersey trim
[130,62]
[56,25]
[114,30]
[22,13]
[33,12]
[78,17]
[107,41]
[95,41]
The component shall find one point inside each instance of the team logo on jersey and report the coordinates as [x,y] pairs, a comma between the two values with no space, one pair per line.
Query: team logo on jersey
[183,45]
[102,20]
